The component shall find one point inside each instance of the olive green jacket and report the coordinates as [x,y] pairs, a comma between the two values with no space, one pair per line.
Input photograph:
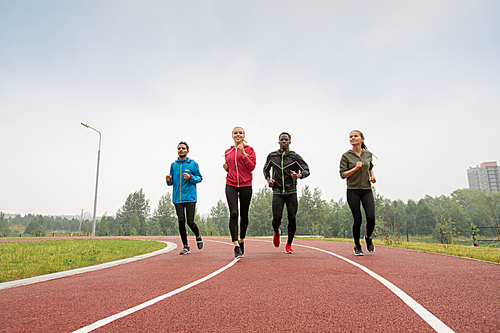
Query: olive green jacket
[360,179]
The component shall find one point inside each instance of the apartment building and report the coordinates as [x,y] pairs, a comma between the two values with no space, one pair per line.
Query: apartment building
[484,177]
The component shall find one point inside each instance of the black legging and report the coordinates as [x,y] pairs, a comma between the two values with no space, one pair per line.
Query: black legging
[190,208]
[245,195]
[366,198]
[291,207]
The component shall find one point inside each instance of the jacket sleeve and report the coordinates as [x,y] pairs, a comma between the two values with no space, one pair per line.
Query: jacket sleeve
[171,182]
[196,175]
[344,166]
[303,165]
[267,168]
[251,160]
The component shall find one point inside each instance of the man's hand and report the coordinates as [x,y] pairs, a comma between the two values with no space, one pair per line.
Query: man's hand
[225,166]
[271,182]
[295,175]
[168,178]
[187,176]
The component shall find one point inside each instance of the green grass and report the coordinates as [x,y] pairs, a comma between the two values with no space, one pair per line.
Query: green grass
[480,253]
[22,260]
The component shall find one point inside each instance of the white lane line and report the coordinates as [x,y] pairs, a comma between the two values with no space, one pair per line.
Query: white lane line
[11,284]
[211,240]
[122,314]
[428,317]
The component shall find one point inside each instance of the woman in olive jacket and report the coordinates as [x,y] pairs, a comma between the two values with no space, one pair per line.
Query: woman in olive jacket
[356,166]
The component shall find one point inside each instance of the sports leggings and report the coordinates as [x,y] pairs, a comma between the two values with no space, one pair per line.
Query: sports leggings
[245,195]
[190,208]
[353,199]
[279,200]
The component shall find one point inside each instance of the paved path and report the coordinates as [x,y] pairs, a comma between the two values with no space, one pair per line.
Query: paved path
[322,287]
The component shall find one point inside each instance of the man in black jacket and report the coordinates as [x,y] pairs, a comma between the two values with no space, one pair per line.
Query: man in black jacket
[287,166]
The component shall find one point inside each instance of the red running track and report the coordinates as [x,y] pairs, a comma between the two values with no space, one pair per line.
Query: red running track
[265,291]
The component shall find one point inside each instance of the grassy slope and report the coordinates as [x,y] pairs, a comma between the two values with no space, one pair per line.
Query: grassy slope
[22,260]
[479,253]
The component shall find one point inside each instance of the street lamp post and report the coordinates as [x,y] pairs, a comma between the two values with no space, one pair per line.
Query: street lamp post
[97,177]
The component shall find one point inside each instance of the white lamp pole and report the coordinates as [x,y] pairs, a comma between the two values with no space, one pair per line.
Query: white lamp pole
[97,177]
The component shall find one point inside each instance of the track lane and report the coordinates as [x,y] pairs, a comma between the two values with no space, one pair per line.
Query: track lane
[67,304]
[322,293]
[463,293]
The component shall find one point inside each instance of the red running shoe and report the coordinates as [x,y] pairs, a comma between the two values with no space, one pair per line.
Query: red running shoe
[288,248]
[276,238]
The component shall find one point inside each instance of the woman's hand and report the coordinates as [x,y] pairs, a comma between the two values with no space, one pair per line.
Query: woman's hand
[241,148]
[225,166]
[359,165]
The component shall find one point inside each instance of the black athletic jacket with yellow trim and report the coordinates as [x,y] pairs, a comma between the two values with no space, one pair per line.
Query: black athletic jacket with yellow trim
[282,163]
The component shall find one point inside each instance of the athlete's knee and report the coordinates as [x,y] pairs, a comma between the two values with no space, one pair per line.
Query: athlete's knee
[277,215]
[233,215]
[357,223]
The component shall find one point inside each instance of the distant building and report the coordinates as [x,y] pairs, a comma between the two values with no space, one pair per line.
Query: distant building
[484,177]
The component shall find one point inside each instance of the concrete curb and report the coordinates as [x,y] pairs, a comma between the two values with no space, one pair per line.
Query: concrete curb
[11,284]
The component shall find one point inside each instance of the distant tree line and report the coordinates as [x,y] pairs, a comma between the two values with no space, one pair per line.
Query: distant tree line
[463,209]
[38,225]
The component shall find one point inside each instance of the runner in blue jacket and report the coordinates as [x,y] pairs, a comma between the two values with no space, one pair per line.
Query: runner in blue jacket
[184,175]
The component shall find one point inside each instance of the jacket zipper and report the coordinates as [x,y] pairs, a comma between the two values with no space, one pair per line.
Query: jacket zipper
[282,172]
[180,183]
[236,163]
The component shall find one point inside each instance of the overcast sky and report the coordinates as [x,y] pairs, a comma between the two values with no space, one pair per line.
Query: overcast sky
[421,79]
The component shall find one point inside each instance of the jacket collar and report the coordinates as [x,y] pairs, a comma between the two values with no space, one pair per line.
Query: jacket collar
[187,159]
[232,149]
[354,153]
[279,151]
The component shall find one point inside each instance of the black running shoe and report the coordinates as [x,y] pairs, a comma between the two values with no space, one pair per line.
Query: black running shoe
[357,251]
[237,252]
[185,250]
[199,242]
[242,247]
[369,245]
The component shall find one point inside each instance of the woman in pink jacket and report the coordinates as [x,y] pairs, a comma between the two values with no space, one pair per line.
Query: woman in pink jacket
[240,162]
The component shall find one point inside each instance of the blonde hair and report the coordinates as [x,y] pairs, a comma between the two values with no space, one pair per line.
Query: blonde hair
[236,128]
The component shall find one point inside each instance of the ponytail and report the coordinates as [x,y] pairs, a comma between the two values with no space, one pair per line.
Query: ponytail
[363,146]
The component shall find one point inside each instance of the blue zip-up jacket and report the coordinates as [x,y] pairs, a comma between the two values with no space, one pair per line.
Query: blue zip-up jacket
[184,190]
